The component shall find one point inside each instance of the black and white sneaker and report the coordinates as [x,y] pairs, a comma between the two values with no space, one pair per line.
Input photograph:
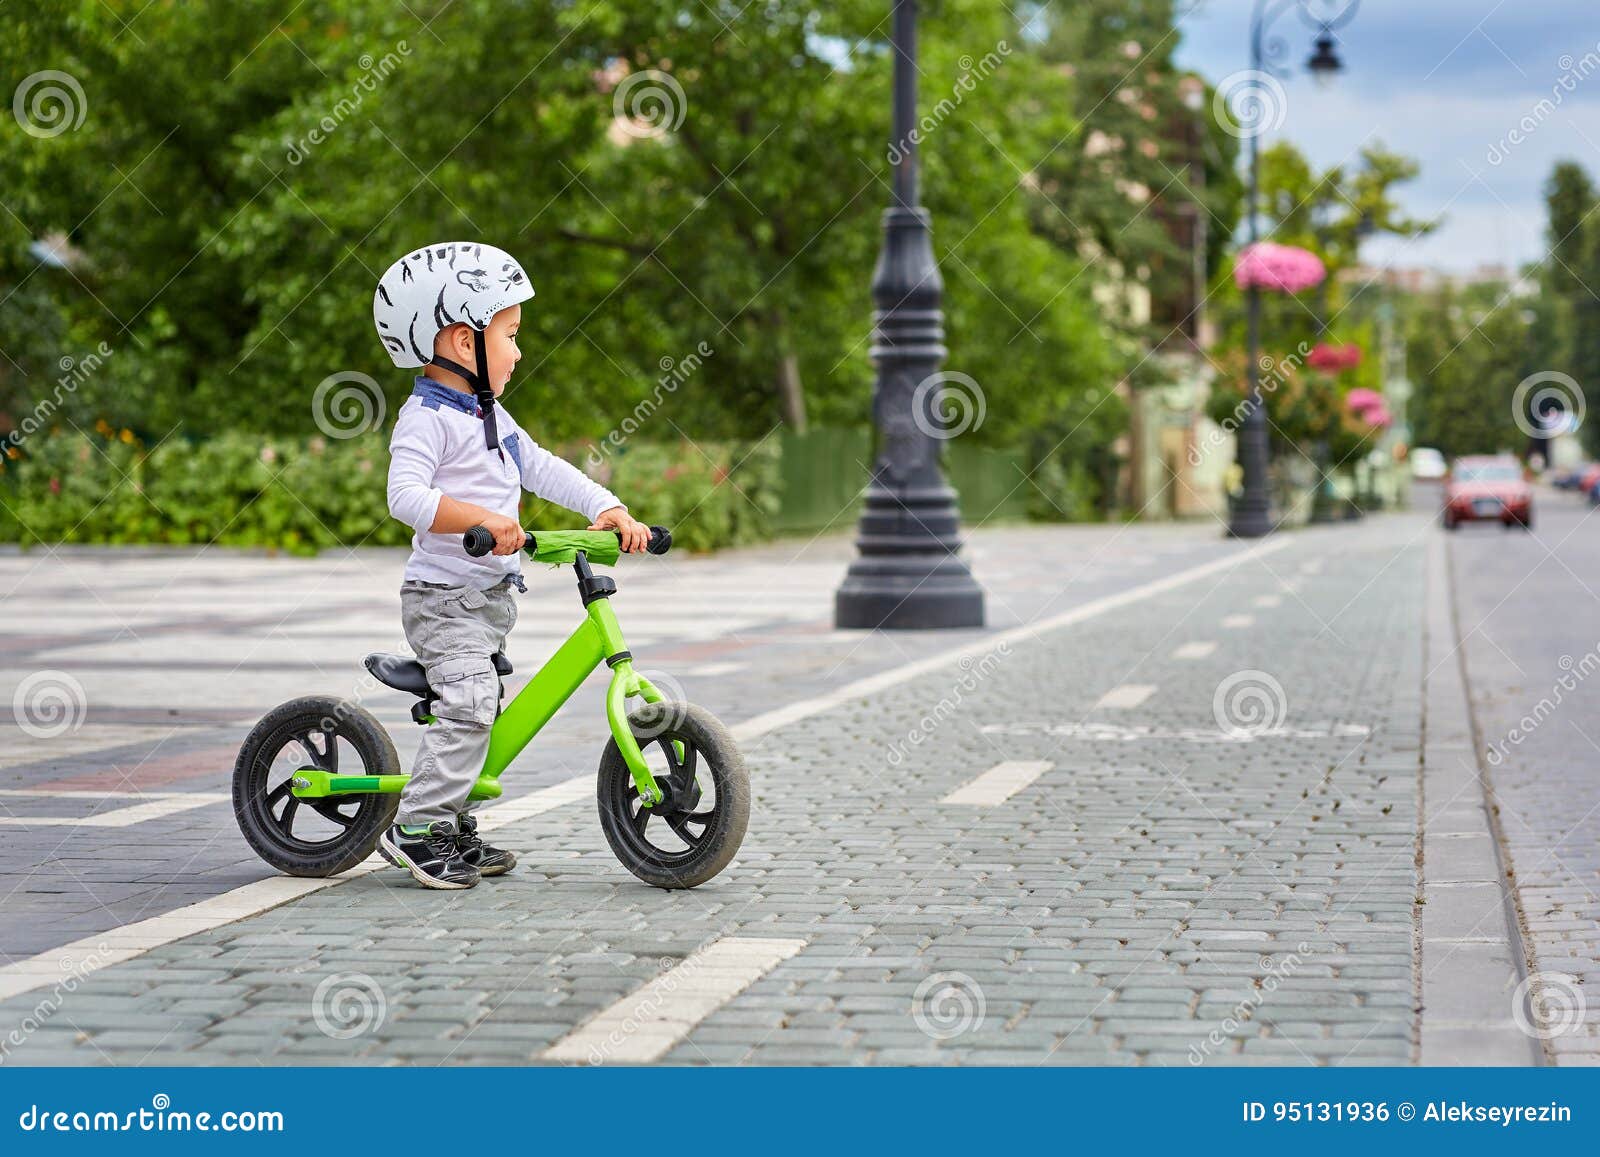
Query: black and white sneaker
[489,861]
[429,854]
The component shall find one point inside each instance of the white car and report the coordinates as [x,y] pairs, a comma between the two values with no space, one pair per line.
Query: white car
[1427,464]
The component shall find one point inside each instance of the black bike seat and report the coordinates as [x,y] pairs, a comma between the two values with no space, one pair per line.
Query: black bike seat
[404,673]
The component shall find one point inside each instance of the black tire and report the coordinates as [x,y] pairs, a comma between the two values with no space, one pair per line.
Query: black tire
[708,834]
[269,814]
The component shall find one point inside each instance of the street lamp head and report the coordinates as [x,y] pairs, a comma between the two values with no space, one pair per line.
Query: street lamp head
[1325,64]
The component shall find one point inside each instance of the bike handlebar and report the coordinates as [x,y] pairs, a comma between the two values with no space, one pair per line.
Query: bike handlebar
[478,541]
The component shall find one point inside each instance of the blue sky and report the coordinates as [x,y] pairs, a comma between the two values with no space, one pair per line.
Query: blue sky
[1444,81]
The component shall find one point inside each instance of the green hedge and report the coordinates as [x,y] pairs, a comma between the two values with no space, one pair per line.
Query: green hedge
[305,495]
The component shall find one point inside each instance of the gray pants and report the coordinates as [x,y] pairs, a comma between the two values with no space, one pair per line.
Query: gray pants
[453,630]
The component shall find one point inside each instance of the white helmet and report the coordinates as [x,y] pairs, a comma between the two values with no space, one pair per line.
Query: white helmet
[441,285]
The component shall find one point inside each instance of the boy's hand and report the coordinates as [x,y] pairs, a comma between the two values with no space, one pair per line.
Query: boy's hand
[508,536]
[635,534]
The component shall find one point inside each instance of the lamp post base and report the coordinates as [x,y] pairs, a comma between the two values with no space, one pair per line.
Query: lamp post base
[909,599]
[1250,521]
[908,575]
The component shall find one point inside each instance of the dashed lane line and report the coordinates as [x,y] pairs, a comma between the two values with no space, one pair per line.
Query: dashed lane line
[999,783]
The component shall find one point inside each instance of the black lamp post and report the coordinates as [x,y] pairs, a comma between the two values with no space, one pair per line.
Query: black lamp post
[1251,514]
[907,573]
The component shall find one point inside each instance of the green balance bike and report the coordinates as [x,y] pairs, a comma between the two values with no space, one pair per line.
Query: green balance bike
[318,781]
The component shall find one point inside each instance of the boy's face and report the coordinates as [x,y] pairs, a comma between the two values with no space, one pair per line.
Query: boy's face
[500,342]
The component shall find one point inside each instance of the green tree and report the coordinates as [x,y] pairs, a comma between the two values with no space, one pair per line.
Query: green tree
[1142,152]
[245,172]
[1467,351]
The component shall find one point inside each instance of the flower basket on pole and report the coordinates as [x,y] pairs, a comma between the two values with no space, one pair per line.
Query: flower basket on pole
[1277,268]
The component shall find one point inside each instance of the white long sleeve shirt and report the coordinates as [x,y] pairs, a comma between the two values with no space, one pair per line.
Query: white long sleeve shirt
[437,448]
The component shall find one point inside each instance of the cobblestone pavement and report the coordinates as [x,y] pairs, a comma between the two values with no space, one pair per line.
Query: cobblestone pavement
[139,673]
[1180,831]
[1529,614]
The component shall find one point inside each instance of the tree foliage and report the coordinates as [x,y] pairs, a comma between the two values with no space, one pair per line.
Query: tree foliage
[245,171]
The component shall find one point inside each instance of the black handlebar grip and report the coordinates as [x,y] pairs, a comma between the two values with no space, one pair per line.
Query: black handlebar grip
[660,540]
[478,541]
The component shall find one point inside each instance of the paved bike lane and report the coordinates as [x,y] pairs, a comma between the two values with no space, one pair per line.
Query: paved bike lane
[138,672]
[1182,830]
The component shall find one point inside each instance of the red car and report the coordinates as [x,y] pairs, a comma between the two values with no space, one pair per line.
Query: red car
[1484,489]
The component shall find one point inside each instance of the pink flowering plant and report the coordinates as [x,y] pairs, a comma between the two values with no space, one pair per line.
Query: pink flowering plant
[1277,268]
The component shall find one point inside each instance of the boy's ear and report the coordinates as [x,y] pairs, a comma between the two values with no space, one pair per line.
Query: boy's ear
[454,340]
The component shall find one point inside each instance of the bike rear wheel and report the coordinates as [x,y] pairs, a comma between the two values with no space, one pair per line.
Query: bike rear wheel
[696,830]
[313,837]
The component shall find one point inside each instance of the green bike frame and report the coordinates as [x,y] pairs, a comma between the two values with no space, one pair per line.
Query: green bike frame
[598,639]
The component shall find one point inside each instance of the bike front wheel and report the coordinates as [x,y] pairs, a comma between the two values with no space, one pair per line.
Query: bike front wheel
[696,830]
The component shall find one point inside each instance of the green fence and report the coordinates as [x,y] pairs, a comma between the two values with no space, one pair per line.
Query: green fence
[824,472]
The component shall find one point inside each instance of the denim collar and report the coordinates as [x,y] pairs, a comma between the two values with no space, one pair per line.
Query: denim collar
[435,394]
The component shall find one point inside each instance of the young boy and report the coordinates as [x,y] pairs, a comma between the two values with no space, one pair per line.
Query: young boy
[458,461]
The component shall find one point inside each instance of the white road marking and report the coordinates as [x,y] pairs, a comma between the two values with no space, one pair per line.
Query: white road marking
[756,727]
[1133,733]
[999,783]
[710,670]
[1199,649]
[1125,696]
[651,1020]
[81,957]
[156,805]
[252,899]
[1235,622]
[535,802]
[1268,600]
[21,748]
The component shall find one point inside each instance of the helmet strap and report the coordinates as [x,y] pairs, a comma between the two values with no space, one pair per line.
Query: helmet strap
[479,382]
